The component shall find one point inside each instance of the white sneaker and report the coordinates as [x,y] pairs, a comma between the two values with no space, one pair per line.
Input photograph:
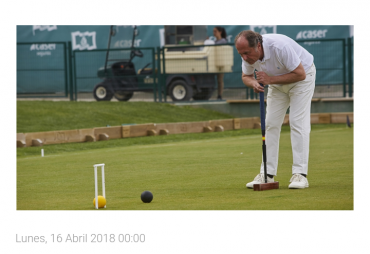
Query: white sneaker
[260,178]
[298,181]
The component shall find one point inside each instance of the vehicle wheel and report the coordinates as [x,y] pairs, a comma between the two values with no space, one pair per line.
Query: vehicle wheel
[102,93]
[180,91]
[204,95]
[123,96]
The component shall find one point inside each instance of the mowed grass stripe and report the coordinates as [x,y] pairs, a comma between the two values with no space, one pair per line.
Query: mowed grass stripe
[37,116]
[190,176]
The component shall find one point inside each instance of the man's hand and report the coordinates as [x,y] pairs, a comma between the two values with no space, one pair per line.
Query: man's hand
[296,75]
[258,88]
[250,82]
[263,78]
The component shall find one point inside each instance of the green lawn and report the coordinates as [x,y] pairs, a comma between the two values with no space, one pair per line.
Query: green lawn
[35,116]
[186,172]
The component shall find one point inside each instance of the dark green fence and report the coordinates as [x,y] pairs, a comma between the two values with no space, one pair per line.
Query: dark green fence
[53,70]
[331,66]
[123,79]
[42,70]
[350,66]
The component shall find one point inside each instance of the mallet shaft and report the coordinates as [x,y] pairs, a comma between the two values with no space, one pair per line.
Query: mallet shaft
[262,113]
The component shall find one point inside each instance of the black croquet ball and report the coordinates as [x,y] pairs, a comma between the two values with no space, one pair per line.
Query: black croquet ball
[146,197]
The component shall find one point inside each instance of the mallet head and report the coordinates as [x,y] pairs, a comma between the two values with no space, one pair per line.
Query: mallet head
[266,186]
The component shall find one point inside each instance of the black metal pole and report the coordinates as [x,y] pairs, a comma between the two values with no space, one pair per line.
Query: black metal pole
[106,58]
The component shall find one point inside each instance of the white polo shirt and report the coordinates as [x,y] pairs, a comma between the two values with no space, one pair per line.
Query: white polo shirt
[282,55]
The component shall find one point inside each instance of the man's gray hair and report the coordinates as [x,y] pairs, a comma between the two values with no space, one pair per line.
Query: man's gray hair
[253,38]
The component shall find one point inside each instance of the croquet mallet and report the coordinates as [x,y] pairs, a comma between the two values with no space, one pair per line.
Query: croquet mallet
[266,185]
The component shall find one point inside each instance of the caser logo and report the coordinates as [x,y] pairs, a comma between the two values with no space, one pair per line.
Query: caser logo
[85,40]
[126,43]
[43,49]
[311,34]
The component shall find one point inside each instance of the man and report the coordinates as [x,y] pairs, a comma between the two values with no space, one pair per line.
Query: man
[289,71]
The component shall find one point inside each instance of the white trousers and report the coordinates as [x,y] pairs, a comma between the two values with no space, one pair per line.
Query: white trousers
[298,96]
